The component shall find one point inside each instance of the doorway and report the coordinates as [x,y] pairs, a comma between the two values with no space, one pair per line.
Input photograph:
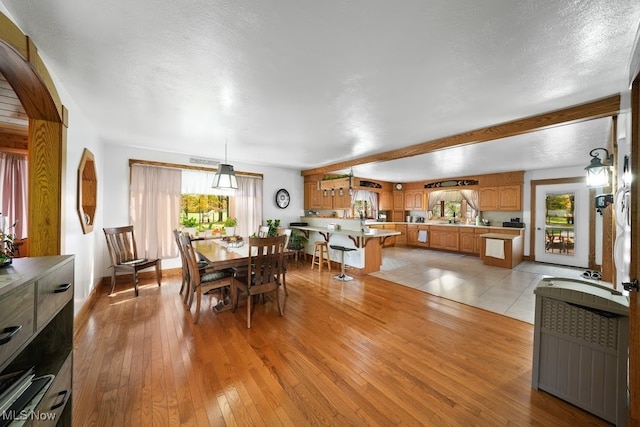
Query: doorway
[562,224]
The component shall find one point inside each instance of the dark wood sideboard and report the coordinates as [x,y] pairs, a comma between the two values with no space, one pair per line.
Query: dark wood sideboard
[36,329]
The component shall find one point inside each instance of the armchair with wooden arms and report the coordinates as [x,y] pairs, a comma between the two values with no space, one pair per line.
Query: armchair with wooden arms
[123,252]
[263,274]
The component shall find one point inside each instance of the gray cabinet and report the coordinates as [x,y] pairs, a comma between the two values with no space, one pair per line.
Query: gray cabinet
[36,328]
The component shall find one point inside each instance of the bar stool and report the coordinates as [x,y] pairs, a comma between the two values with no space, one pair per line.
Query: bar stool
[319,251]
[342,250]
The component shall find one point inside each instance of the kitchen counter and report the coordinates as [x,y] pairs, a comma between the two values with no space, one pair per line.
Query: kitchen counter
[501,250]
[443,223]
[359,237]
[348,232]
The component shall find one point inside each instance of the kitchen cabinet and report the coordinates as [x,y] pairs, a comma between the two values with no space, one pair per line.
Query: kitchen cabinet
[398,216]
[466,238]
[385,202]
[315,198]
[412,235]
[477,240]
[509,198]
[424,244]
[402,238]
[500,198]
[413,230]
[414,200]
[389,241]
[444,238]
[312,196]
[36,306]
[341,201]
[398,201]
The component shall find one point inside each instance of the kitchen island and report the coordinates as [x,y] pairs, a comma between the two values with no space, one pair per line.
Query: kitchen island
[368,242]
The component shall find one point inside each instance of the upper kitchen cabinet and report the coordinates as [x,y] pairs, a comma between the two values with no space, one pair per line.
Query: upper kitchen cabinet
[317,197]
[502,198]
[414,200]
[398,201]
[385,202]
[501,192]
[314,198]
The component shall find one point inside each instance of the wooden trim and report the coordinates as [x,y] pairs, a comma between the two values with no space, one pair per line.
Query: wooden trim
[190,167]
[47,145]
[592,110]
[634,268]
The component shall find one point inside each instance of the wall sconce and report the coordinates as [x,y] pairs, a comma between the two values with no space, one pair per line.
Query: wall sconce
[341,192]
[324,192]
[597,172]
[333,192]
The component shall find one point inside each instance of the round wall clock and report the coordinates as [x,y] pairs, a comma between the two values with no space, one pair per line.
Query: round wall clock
[399,186]
[282,198]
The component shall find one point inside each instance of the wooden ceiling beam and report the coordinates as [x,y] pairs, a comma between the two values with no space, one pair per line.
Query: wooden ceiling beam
[593,110]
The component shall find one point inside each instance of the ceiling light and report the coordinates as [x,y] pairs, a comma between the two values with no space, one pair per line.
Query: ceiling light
[598,172]
[225,177]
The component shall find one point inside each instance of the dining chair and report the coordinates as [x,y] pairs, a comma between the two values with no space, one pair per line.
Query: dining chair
[184,288]
[288,254]
[263,231]
[201,280]
[123,251]
[263,274]
[183,259]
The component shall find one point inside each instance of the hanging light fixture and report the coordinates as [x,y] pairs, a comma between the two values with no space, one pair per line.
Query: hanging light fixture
[225,177]
[351,182]
[598,172]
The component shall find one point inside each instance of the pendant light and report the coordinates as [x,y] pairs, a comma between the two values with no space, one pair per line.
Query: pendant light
[225,177]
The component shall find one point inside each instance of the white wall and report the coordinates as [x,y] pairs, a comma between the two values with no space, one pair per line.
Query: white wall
[116,189]
[80,135]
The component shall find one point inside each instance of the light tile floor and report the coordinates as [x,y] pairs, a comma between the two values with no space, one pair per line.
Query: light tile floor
[466,279]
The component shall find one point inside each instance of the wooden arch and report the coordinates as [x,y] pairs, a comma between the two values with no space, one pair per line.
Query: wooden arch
[29,78]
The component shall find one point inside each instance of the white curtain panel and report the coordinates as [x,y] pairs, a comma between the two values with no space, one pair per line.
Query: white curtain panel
[197,182]
[471,196]
[13,191]
[154,208]
[248,205]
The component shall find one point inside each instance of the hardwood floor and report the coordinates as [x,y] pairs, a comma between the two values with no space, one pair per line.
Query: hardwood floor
[365,352]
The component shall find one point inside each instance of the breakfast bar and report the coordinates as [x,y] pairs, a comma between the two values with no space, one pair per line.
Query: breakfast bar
[368,242]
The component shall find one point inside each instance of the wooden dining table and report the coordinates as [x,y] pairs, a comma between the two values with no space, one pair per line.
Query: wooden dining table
[219,256]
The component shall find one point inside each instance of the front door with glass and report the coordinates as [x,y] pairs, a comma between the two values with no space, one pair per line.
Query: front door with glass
[562,224]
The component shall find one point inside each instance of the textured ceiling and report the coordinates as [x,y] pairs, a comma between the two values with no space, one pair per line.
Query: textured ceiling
[304,83]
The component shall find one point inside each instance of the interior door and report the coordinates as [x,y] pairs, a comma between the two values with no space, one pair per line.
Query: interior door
[562,224]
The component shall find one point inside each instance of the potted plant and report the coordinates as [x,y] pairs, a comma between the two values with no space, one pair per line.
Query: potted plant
[189,226]
[273,225]
[6,242]
[230,225]
[297,242]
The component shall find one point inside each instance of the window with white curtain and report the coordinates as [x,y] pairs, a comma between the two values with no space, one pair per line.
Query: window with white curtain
[13,192]
[163,198]
[365,204]
[450,203]
[206,209]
